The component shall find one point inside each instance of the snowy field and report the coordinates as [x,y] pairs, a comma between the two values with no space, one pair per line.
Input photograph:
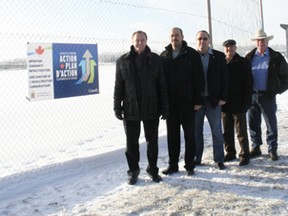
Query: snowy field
[88,177]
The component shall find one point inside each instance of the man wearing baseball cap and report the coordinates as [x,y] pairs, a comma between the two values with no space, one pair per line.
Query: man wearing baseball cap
[270,73]
[239,100]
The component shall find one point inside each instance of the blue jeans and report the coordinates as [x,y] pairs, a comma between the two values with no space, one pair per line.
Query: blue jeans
[214,118]
[261,104]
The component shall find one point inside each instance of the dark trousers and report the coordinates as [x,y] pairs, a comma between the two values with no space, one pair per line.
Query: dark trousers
[132,130]
[239,122]
[174,122]
[262,105]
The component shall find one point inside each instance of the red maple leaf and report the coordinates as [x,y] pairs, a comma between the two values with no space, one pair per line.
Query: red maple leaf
[62,65]
[39,50]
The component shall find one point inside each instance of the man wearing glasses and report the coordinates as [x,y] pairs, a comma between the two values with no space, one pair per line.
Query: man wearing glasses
[215,95]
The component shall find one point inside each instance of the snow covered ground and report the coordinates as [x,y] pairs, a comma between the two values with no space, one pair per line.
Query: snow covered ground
[94,184]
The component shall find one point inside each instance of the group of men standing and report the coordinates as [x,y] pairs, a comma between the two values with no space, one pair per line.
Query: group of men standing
[184,85]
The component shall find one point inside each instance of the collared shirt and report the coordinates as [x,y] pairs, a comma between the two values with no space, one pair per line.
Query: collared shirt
[205,63]
[260,65]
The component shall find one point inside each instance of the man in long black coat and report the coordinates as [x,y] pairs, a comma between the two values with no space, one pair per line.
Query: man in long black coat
[140,94]
[238,102]
[185,79]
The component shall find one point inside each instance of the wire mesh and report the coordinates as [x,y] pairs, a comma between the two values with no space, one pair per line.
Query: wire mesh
[39,134]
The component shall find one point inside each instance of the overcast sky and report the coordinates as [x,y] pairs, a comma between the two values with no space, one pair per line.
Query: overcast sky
[71,21]
[275,13]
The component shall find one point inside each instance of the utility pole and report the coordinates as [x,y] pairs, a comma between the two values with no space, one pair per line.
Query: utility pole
[261,12]
[209,23]
[284,26]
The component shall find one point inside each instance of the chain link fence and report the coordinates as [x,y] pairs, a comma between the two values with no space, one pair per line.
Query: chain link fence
[35,135]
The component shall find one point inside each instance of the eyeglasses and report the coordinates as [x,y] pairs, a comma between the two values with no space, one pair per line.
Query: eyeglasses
[200,38]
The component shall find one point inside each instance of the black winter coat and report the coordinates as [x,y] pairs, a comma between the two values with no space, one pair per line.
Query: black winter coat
[277,81]
[185,78]
[240,85]
[217,78]
[141,93]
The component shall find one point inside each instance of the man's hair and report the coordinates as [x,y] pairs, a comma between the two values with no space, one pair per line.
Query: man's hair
[177,28]
[140,32]
[203,31]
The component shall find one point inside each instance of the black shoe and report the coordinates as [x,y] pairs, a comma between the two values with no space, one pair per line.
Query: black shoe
[170,170]
[221,166]
[229,157]
[156,178]
[197,163]
[273,156]
[243,162]
[255,152]
[153,173]
[133,176]
[190,172]
[132,180]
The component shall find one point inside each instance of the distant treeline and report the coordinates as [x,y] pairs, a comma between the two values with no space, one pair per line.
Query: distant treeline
[21,64]
[14,64]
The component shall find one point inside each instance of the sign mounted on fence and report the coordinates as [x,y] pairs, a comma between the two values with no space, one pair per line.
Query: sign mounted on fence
[58,70]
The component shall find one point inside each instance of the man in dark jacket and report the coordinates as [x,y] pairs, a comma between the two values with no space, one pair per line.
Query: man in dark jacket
[239,100]
[140,94]
[183,71]
[270,73]
[215,95]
